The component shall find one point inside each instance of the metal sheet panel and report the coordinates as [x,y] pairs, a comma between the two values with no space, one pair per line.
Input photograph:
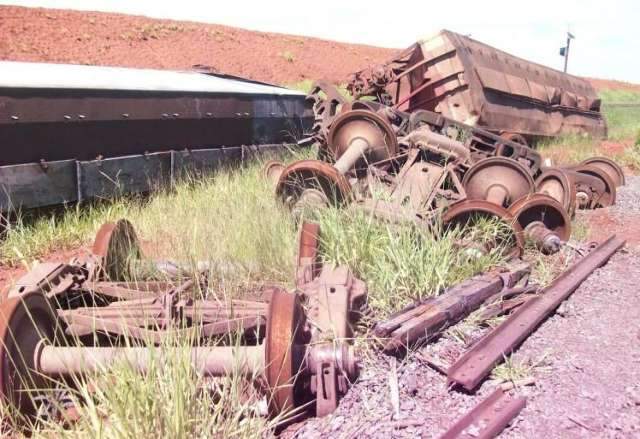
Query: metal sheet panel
[33,185]
[197,161]
[59,125]
[117,176]
[538,92]
[81,77]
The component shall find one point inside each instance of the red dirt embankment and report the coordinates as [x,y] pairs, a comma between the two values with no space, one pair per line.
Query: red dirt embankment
[48,35]
[51,35]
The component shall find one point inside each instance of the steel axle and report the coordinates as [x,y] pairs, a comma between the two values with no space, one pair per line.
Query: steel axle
[33,350]
[544,220]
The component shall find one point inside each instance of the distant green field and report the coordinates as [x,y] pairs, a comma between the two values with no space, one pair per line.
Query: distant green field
[622,117]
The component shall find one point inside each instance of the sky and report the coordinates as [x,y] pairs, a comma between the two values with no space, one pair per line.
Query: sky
[607,42]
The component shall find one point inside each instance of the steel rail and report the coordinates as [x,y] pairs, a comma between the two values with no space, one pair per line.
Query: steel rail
[470,369]
[487,419]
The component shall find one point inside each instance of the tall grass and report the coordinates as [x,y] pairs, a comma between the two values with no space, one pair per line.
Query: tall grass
[229,217]
[171,400]
[568,149]
[623,123]
[400,263]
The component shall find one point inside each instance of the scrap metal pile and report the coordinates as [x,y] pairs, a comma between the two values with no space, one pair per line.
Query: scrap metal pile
[422,166]
[62,321]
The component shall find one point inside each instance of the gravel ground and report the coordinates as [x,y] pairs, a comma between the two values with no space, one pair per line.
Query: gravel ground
[586,363]
[628,197]
[623,218]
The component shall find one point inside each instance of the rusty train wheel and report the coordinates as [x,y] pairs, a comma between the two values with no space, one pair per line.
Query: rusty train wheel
[543,208]
[555,183]
[611,168]
[284,351]
[24,322]
[365,125]
[465,213]
[116,244]
[608,198]
[316,176]
[272,170]
[509,175]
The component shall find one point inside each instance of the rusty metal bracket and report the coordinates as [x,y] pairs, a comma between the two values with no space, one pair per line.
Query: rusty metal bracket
[477,363]
[487,419]
[50,278]
[308,264]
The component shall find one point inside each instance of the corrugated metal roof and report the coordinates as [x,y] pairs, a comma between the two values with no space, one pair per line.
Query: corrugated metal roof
[71,76]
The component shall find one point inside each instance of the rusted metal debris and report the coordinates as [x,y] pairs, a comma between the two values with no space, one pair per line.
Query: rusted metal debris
[470,369]
[419,167]
[487,419]
[69,319]
[474,83]
[507,301]
[426,320]
[588,185]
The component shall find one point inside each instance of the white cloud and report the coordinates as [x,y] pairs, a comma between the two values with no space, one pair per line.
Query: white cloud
[606,44]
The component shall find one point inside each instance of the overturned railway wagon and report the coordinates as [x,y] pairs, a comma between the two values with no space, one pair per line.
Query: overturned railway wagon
[71,133]
[472,82]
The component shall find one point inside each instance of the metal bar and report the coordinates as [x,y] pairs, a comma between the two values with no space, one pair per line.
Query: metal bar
[210,361]
[427,320]
[476,363]
[308,266]
[79,328]
[487,419]
[130,291]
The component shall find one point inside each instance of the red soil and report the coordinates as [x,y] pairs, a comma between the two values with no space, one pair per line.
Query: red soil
[48,35]
[609,84]
[10,274]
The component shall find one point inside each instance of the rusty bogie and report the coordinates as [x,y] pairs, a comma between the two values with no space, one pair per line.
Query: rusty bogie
[358,138]
[555,183]
[25,320]
[283,356]
[272,170]
[313,181]
[606,197]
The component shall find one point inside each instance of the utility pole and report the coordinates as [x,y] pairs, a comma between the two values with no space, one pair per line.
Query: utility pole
[564,51]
